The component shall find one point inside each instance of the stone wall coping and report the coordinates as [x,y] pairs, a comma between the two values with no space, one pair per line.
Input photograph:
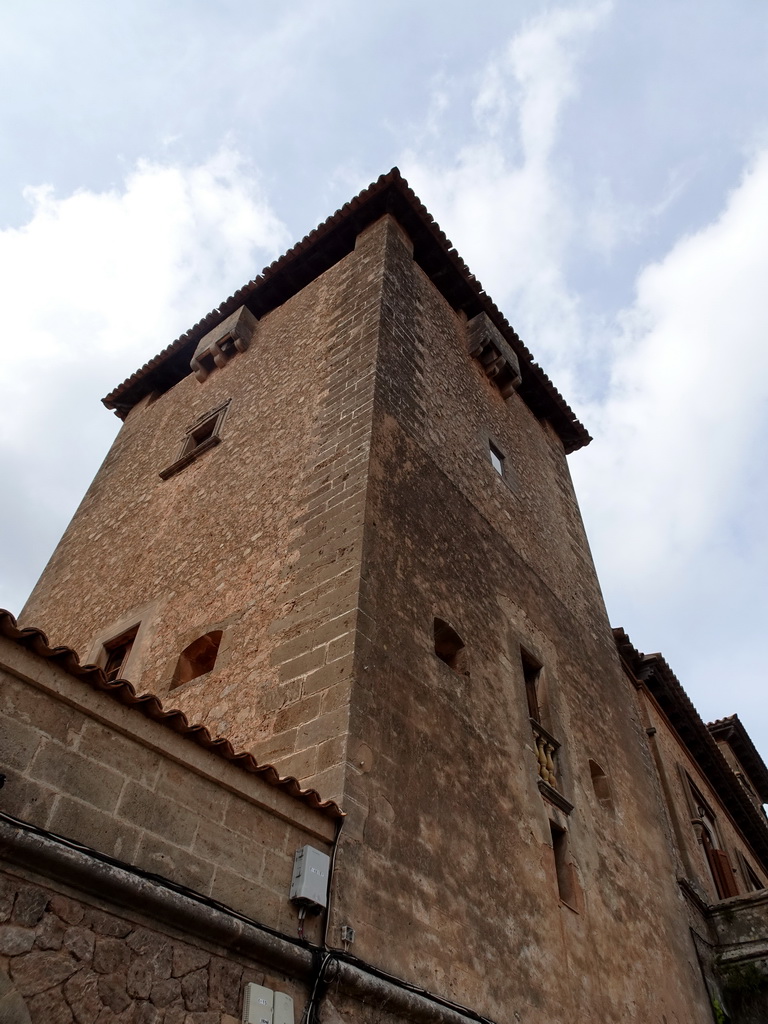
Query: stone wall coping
[115,705]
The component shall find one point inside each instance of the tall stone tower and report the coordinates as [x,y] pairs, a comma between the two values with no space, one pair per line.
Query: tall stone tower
[338,528]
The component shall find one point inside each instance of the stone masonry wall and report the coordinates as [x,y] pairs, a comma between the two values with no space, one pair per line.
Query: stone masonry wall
[83,766]
[446,868]
[259,537]
[69,961]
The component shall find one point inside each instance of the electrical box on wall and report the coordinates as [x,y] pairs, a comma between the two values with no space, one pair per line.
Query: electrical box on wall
[263,1006]
[309,885]
[258,1004]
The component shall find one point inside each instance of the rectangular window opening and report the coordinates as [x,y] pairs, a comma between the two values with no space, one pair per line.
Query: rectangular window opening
[497,458]
[116,653]
[200,435]
[566,889]
[531,674]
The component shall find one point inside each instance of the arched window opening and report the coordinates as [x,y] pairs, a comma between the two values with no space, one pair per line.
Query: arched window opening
[449,647]
[600,784]
[197,659]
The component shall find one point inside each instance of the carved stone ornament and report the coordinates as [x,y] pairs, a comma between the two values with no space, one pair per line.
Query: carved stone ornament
[231,336]
[486,344]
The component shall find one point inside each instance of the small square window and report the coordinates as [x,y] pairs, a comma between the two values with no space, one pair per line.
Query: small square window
[497,459]
[202,435]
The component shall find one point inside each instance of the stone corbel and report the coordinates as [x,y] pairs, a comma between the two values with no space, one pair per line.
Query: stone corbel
[500,364]
[231,336]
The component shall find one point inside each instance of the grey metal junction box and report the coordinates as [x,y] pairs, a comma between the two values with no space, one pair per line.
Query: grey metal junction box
[309,885]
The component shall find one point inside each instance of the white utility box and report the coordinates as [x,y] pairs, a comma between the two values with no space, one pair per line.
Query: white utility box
[283,1009]
[258,1004]
[263,1006]
[309,885]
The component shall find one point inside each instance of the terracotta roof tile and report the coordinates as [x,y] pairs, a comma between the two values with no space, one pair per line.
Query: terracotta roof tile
[326,245]
[653,672]
[148,704]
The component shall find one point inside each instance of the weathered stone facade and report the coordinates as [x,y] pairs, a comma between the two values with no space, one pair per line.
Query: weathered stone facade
[71,961]
[365,517]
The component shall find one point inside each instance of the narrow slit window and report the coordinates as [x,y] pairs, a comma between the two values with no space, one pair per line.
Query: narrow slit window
[563,869]
[497,458]
[532,676]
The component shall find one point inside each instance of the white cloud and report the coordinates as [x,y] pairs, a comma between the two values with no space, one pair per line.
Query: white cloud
[687,397]
[674,387]
[99,282]
[507,207]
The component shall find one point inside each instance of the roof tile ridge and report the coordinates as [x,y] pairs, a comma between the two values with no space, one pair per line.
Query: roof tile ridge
[264,275]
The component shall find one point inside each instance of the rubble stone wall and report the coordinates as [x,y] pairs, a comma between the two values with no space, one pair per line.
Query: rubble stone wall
[66,961]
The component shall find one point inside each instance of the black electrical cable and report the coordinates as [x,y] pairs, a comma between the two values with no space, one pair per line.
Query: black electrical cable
[309,1015]
[328,955]
[331,869]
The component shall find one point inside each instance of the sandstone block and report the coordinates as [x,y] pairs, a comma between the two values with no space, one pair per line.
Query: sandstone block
[38,971]
[112,749]
[29,906]
[94,827]
[173,862]
[194,989]
[110,956]
[82,994]
[79,942]
[14,939]
[50,1007]
[66,771]
[18,742]
[163,817]
[113,991]
[187,959]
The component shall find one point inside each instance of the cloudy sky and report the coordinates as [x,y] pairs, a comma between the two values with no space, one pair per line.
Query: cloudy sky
[602,167]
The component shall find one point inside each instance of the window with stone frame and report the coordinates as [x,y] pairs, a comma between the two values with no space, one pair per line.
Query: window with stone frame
[704,822]
[116,652]
[200,437]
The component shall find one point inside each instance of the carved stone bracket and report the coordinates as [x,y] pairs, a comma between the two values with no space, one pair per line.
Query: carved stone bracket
[231,336]
[500,364]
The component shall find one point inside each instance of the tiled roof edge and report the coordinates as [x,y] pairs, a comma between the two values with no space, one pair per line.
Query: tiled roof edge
[653,671]
[572,431]
[148,704]
[733,731]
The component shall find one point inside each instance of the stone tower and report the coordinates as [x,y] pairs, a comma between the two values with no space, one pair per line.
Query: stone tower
[338,528]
